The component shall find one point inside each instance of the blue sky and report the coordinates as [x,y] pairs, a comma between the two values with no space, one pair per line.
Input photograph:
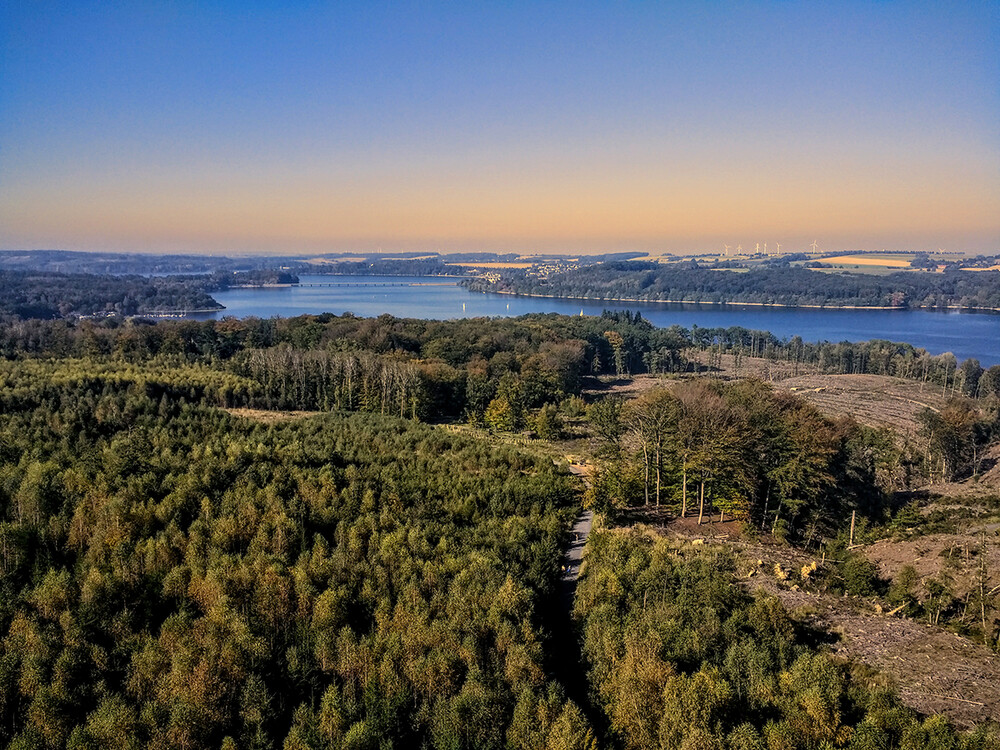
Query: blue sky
[257,127]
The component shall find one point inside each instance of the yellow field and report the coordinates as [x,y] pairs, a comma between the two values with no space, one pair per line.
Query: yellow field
[351,259]
[492,265]
[894,261]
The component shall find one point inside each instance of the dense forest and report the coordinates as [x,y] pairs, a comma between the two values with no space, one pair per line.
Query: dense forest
[257,277]
[689,282]
[460,363]
[174,575]
[48,295]
[433,370]
[741,449]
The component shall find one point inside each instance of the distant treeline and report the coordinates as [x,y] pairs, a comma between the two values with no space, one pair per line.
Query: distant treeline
[689,282]
[49,295]
[71,261]
[64,261]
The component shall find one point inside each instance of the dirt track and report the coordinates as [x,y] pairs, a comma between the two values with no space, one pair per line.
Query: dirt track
[574,552]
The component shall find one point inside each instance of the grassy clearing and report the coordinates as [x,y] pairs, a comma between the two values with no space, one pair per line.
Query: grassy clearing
[271,417]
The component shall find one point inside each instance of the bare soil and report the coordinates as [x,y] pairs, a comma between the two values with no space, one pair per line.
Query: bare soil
[756,367]
[973,490]
[874,400]
[625,387]
[954,556]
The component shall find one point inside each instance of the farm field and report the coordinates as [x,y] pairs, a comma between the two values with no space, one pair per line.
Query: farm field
[890,261]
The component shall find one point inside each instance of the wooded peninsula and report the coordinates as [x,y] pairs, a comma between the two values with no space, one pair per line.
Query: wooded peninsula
[775,284]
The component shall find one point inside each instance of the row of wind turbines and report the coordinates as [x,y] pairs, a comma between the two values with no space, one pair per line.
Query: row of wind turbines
[739,248]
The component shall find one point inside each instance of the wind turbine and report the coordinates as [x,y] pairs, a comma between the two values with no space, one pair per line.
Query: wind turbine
[765,248]
[727,248]
[758,248]
[739,249]
[778,245]
[814,245]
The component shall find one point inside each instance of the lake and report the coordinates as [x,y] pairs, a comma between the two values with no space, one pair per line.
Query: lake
[964,334]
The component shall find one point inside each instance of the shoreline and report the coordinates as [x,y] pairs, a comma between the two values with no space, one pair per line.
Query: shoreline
[161,314]
[176,313]
[735,304]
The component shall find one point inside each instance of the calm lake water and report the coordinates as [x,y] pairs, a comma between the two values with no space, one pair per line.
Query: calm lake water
[964,334]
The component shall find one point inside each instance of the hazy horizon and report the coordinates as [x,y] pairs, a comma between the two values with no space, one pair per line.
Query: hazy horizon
[573,128]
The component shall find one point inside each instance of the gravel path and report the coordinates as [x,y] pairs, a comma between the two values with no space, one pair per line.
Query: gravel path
[574,552]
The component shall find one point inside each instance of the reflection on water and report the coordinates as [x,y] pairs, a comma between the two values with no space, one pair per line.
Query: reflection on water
[965,334]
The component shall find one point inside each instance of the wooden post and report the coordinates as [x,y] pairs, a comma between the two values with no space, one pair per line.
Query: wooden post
[853,514]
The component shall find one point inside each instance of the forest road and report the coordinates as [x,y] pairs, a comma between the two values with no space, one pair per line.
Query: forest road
[566,660]
[574,552]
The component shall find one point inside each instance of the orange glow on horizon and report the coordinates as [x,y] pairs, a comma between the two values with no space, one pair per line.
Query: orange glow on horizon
[522,211]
